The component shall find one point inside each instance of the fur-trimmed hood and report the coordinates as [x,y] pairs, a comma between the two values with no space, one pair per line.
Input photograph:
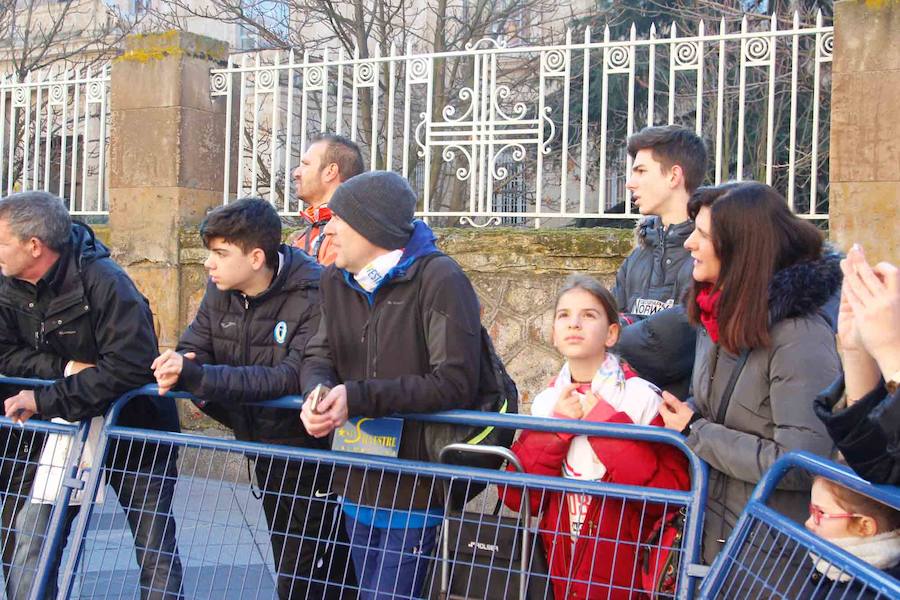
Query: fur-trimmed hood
[806,288]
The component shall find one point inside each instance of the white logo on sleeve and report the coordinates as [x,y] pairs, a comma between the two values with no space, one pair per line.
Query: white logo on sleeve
[280,332]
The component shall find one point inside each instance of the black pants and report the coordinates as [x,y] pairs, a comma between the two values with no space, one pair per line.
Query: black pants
[309,544]
[19,455]
[145,495]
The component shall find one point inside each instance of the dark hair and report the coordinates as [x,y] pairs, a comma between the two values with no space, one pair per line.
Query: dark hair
[886,518]
[38,215]
[579,281]
[343,152]
[754,235]
[673,145]
[248,223]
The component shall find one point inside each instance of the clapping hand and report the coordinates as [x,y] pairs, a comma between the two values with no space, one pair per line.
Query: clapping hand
[869,319]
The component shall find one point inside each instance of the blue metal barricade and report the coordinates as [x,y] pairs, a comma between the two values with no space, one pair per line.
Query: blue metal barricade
[250,520]
[40,473]
[738,571]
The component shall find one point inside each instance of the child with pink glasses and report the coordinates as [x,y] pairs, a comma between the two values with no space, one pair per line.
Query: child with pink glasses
[858,524]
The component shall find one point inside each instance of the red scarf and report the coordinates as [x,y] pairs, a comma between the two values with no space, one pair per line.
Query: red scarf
[316,215]
[708,303]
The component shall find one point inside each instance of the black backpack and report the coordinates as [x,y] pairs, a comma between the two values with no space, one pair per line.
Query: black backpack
[496,393]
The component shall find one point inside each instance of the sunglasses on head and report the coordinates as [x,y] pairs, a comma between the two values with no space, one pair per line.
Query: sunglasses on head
[818,514]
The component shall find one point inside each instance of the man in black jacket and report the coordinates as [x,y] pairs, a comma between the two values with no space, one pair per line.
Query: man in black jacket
[69,313]
[669,163]
[399,333]
[245,345]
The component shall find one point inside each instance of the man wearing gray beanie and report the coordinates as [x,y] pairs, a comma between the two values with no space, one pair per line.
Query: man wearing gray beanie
[399,333]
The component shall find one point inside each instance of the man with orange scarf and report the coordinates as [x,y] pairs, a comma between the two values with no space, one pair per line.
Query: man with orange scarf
[329,161]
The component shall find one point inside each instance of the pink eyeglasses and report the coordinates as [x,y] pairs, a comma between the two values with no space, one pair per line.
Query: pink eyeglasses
[818,514]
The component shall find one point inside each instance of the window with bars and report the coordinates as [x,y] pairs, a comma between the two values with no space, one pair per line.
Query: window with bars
[513,194]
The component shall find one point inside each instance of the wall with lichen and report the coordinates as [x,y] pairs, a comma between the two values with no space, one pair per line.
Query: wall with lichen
[515,272]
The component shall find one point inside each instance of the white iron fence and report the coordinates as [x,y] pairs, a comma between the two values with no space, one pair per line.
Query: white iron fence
[493,134]
[54,136]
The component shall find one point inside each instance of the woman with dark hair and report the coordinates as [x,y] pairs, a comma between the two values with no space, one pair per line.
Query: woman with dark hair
[765,348]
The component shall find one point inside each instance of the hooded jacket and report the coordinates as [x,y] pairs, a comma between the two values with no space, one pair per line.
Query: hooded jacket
[771,408]
[657,340]
[657,273]
[88,310]
[249,350]
[604,562]
[411,346]
[866,433]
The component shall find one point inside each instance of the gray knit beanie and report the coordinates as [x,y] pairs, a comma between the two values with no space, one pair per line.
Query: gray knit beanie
[379,205]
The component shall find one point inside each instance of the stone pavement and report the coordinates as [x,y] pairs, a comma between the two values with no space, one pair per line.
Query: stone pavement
[222,540]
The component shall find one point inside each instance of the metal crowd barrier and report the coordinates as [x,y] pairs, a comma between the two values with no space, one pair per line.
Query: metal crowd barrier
[236,515]
[35,451]
[763,537]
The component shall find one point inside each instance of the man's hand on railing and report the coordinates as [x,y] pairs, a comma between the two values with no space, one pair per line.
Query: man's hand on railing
[329,414]
[167,369]
[21,407]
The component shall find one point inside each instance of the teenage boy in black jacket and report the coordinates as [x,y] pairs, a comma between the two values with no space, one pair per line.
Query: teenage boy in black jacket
[69,313]
[245,345]
[669,163]
[400,333]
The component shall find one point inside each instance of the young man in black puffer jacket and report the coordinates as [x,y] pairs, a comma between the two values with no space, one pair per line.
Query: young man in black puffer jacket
[245,345]
[669,163]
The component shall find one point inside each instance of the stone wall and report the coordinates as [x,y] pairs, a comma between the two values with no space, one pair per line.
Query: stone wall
[865,131]
[516,274]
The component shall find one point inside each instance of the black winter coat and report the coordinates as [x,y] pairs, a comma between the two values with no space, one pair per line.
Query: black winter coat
[416,348]
[250,349]
[657,273]
[867,433]
[89,311]
[650,286]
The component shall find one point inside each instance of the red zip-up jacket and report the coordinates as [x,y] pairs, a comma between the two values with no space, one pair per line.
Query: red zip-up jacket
[604,561]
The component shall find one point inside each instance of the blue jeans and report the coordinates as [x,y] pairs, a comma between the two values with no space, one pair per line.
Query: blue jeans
[390,563]
[146,497]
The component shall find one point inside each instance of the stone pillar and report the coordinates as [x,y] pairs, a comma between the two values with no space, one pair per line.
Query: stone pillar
[865,130]
[166,161]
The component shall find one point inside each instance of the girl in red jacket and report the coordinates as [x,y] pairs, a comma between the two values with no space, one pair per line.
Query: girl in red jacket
[591,541]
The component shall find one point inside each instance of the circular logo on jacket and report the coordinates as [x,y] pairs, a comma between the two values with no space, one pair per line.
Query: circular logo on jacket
[280,332]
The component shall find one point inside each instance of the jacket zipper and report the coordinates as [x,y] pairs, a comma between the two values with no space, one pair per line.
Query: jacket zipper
[245,359]
[369,338]
[662,253]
